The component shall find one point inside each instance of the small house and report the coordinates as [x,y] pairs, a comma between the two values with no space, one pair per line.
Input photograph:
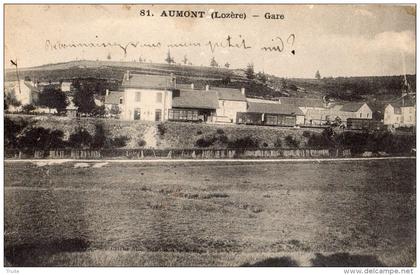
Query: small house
[401,113]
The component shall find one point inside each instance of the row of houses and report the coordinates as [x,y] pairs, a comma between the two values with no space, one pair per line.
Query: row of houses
[160,98]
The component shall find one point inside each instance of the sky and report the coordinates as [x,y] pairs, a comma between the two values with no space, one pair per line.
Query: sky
[337,40]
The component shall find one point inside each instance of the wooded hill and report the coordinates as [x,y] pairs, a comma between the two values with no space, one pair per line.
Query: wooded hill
[110,74]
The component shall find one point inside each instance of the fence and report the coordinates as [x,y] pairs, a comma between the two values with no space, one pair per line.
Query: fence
[178,154]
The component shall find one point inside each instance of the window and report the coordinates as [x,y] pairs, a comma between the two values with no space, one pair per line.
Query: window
[367,115]
[121,100]
[137,114]
[360,115]
[138,96]
[159,97]
[158,115]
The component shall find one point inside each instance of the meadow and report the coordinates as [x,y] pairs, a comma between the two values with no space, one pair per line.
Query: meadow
[350,213]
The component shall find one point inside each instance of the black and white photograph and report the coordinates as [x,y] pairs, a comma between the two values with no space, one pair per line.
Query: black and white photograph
[210,135]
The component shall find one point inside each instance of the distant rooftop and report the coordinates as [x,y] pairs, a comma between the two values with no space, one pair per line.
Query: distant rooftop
[229,94]
[113,97]
[404,101]
[303,102]
[155,82]
[196,99]
[351,106]
[274,108]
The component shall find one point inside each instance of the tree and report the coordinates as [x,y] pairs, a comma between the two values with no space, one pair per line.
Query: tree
[262,77]
[40,138]
[99,138]
[213,62]
[84,100]
[98,111]
[249,72]
[80,139]
[10,100]
[169,59]
[108,56]
[185,60]
[227,65]
[54,99]
[317,75]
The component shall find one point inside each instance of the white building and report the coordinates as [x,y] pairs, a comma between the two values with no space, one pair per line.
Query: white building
[147,97]
[401,113]
[25,92]
[341,111]
[66,86]
[231,102]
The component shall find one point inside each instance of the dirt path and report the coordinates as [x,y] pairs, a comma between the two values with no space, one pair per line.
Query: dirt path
[150,136]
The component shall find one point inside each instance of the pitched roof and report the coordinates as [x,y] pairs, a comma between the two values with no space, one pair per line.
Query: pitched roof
[352,106]
[196,99]
[302,102]
[274,108]
[405,101]
[157,82]
[229,94]
[31,86]
[113,97]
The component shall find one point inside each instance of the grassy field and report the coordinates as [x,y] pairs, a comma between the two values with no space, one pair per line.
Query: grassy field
[211,214]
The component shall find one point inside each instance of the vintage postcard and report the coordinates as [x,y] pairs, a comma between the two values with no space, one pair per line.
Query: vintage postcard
[239,135]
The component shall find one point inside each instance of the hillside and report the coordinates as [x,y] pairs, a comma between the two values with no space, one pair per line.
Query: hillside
[115,70]
[377,90]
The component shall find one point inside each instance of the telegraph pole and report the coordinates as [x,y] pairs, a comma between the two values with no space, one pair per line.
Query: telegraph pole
[17,73]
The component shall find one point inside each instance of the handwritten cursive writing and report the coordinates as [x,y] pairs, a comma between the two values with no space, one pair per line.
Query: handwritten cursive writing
[239,43]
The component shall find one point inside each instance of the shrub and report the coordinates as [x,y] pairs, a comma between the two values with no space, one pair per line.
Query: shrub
[219,140]
[80,138]
[98,111]
[291,142]
[141,143]
[278,143]
[99,139]
[246,142]
[28,108]
[220,131]
[11,131]
[306,134]
[205,141]
[41,139]
[120,141]
[199,132]
[161,129]
[318,140]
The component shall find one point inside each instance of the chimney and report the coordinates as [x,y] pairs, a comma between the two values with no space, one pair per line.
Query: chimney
[243,91]
[207,88]
[192,86]
[107,92]
[128,75]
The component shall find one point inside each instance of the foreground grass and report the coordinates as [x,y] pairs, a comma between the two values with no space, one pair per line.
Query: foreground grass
[103,258]
[211,214]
